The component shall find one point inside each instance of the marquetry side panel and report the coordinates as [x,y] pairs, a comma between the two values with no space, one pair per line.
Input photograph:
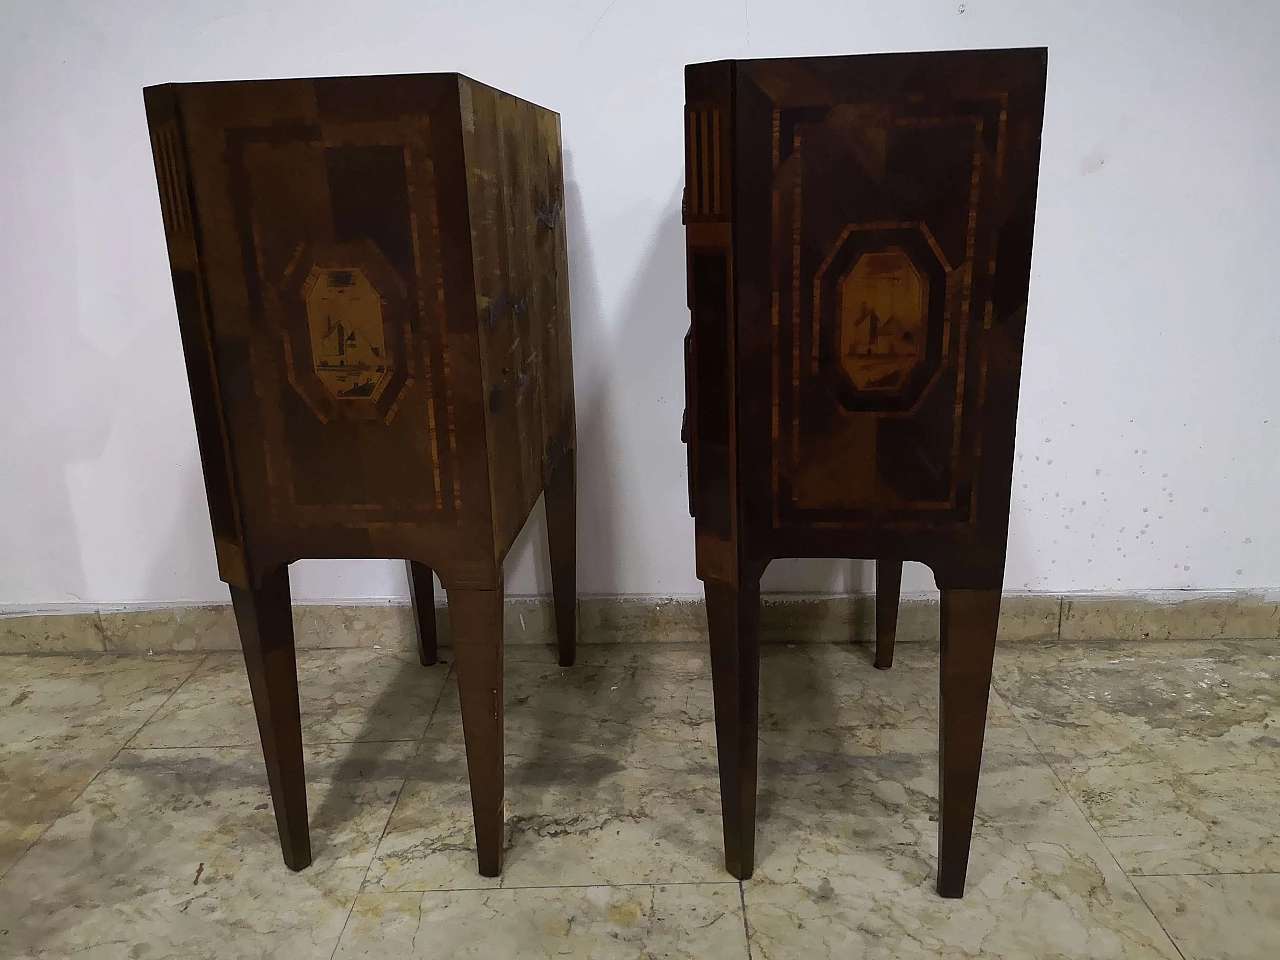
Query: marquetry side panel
[888,195]
[883,209]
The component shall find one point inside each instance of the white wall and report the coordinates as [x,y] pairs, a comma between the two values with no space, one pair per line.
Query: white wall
[1150,420]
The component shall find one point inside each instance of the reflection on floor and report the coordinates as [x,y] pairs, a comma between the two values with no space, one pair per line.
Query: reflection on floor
[1128,809]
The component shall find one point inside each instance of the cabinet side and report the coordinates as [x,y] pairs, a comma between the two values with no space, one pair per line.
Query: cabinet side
[710,350]
[884,214]
[178,209]
[515,191]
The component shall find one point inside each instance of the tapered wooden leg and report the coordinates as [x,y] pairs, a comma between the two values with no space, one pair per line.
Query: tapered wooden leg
[733,620]
[562,541]
[422,594]
[266,635]
[476,619]
[888,587]
[968,634]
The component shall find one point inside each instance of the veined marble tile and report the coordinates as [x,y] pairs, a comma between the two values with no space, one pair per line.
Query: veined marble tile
[526,620]
[346,695]
[174,853]
[833,800]
[1134,618]
[802,620]
[846,856]
[61,720]
[610,778]
[611,770]
[1218,918]
[640,620]
[530,620]
[171,629]
[1024,618]
[678,922]
[1172,749]
[36,787]
[822,686]
[1158,818]
[665,689]
[336,626]
[1172,689]
[51,633]
[86,704]
[852,619]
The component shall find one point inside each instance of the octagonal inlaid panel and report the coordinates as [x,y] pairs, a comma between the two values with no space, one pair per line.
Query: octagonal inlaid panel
[348,346]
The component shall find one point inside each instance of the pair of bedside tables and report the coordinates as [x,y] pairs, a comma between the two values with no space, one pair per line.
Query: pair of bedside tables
[372,291]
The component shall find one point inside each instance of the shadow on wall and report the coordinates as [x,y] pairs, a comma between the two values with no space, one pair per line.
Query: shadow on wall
[57,392]
[1022,555]
[187,562]
[597,533]
[636,505]
[598,529]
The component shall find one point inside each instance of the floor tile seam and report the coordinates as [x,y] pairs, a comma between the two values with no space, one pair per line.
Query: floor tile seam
[97,773]
[408,652]
[1143,898]
[249,743]
[435,708]
[927,727]
[746,925]
[54,654]
[199,662]
[930,726]
[1076,803]
[404,781]
[1215,873]
[1080,762]
[637,884]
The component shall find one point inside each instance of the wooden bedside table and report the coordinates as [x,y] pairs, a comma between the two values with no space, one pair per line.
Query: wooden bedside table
[859,251]
[373,300]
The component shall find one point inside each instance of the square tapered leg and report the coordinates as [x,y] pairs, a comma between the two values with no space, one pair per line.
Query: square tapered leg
[968,641]
[733,618]
[265,621]
[562,542]
[422,595]
[476,619]
[888,590]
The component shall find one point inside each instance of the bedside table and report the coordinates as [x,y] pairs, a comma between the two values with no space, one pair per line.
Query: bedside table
[373,301]
[859,251]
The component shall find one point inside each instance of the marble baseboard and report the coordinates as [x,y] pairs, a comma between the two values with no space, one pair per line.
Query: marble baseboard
[783,619]
[52,633]
[1232,617]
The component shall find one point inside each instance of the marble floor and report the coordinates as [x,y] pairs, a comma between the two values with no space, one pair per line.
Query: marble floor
[1129,808]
